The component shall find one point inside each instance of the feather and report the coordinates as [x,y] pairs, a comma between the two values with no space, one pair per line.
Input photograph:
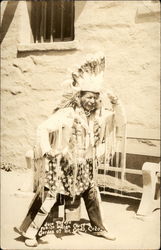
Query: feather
[88,76]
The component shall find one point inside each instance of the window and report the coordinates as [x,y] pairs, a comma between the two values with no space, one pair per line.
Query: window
[52,20]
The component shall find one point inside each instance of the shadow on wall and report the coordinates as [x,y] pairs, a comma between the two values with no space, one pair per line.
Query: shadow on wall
[44,52]
[8,15]
[79,8]
[146,15]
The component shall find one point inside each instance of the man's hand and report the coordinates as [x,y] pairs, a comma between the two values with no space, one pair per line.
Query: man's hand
[112,97]
[51,154]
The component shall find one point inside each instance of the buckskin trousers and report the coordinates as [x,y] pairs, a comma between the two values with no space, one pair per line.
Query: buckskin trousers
[38,212]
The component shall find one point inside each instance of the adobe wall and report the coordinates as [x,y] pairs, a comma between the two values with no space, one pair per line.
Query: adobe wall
[31,82]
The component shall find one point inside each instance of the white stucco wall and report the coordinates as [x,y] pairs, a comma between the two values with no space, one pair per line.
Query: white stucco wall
[126,31]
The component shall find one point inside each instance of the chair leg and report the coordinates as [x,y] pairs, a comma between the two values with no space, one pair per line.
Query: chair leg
[148,203]
[29,156]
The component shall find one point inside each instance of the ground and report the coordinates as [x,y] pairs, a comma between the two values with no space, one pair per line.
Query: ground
[119,215]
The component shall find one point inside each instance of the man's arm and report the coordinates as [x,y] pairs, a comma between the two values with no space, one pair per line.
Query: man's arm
[119,112]
[52,124]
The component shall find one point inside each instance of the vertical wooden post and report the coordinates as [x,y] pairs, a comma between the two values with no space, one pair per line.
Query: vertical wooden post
[36,6]
[44,20]
[117,164]
[72,19]
[123,153]
[62,20]
[51,25]
[42,23]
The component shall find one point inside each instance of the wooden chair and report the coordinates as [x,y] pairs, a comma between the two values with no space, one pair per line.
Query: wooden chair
[151,189]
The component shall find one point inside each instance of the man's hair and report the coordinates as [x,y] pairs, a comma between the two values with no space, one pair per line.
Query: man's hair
[70,100]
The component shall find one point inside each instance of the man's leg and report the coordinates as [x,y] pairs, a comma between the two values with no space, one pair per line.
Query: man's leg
[32,211]
[35,217]
[40,217]
[92,203]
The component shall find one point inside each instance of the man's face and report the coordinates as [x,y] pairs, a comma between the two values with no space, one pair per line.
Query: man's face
[89,100]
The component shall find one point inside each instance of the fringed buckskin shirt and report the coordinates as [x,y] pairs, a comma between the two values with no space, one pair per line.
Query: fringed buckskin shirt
[73,134]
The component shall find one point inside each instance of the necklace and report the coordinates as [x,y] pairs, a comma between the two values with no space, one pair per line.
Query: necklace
[87,113]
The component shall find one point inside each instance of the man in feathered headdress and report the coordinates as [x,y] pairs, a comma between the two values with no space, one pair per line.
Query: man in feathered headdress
[71,143]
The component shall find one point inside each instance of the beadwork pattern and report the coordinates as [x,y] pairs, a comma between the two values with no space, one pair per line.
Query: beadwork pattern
[61,180]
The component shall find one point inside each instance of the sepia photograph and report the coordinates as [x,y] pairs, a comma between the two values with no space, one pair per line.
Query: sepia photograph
[80,125]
